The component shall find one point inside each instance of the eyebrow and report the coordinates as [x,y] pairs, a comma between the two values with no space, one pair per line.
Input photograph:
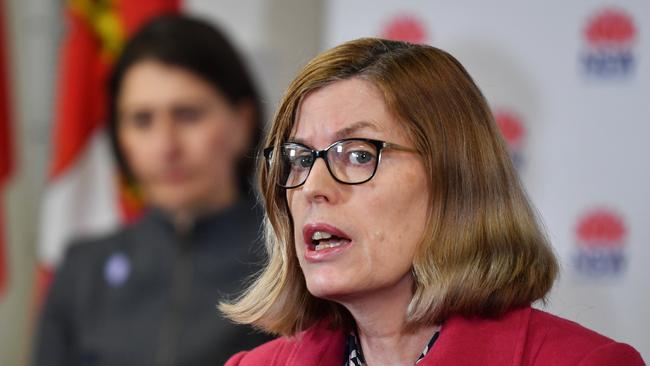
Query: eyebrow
[346,131]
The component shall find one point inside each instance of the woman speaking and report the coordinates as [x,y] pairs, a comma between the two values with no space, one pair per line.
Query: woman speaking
[397,230]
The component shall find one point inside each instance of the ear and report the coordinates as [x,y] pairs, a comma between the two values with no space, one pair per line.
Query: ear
[245,129]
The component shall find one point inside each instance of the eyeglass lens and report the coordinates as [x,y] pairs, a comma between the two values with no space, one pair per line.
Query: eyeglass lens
[349,161]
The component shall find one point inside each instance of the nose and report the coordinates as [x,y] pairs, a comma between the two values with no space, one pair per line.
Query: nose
[320,186]
[167,144]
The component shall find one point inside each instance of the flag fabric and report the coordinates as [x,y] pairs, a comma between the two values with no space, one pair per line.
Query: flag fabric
[82,195]
[6,147]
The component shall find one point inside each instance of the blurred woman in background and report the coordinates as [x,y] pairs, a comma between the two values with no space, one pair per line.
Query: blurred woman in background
[185,118]
[398,232]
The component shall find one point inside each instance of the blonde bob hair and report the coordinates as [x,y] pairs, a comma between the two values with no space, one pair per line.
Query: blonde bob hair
[483,252]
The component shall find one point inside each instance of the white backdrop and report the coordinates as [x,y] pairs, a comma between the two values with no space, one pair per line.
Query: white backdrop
[570,85]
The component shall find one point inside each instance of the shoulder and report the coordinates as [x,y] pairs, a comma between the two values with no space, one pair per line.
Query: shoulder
[90,249]
[555,340]
[73,275]
[526,336]
[318,345]
[150,227]
[88,255]
[269,353]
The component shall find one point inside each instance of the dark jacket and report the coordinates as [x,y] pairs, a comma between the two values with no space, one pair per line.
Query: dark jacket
[147,295]
[523,337]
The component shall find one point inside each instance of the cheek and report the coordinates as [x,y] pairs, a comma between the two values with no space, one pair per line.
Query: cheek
[390,247]
[398,215]
[292,203]
[207,144]
[136,151]
[296,213]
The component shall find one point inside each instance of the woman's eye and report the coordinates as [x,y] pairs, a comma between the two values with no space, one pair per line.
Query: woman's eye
[304,161]
[360,157]
[140,120]
[300,161]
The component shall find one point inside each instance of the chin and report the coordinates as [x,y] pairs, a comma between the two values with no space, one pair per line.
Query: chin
[174,206]
[177,201]
[328,287]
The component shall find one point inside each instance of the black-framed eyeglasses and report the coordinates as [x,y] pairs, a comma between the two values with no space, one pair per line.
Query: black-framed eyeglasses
[349,161]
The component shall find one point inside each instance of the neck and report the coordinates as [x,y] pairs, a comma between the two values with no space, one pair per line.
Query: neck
[381,326]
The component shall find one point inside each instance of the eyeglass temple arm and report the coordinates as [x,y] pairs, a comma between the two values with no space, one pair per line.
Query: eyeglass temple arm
[389,145]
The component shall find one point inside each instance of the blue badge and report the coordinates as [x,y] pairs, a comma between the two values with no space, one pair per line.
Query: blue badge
[117,269]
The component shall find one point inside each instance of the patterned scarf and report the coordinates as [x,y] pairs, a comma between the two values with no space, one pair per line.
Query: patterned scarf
[354,355]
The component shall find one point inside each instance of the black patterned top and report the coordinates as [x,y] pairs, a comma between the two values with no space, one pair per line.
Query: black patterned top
[354,355]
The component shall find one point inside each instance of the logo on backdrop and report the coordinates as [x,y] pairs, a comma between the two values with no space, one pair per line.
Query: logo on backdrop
[514,132]
[609,36]
[405,28]
[600,244]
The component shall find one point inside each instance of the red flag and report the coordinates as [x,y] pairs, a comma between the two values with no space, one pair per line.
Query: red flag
[6,147]
[82,194]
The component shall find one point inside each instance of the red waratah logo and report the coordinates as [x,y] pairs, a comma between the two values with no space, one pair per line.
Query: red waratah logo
[609,35]
[512,128]
[405,28]
[610,28]
[600,235]
[601,228]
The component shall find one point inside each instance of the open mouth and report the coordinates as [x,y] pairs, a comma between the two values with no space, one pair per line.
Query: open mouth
[323,240]
[320,237]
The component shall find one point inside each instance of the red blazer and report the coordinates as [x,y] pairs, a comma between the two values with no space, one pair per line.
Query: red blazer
[522,337]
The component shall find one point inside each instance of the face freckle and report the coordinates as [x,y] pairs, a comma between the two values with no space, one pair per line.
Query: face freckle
[383,218]
[378,236]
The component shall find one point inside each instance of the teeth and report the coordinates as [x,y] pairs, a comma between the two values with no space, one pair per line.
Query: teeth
[320,235]
[326,245]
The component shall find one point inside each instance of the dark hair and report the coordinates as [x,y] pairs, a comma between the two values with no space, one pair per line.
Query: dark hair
[202,49]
